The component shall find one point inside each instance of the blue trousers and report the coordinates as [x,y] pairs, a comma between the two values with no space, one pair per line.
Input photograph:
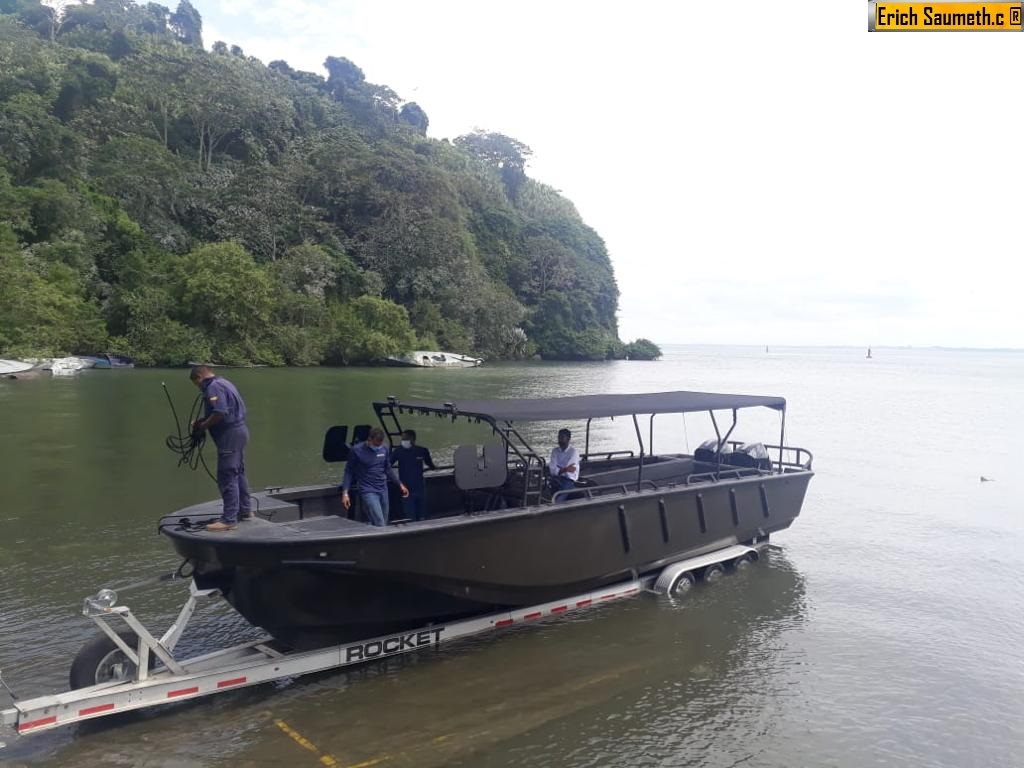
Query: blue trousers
[415,506]
[231,480]
[375,507]
[562,483]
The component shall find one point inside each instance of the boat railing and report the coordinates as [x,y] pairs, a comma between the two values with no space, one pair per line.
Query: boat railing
[590,490]
[607,455]
[792,456]
[724,474]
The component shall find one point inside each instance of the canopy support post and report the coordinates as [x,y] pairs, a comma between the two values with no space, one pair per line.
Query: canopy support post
[639,439]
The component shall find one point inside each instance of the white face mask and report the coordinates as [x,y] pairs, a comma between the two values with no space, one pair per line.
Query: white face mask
[407,444]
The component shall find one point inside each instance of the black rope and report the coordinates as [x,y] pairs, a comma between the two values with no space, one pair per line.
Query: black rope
[188,448]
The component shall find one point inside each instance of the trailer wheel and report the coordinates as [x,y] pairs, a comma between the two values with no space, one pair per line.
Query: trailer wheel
[743,562]
[713,573]
[682,586]
[101,661]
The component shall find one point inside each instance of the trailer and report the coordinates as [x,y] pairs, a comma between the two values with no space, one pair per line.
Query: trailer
[132,669]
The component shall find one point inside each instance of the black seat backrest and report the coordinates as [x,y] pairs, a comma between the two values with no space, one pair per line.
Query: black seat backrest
[335,445]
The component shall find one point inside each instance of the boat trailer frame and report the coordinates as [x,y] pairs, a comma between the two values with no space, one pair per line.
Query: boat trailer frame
[258,661]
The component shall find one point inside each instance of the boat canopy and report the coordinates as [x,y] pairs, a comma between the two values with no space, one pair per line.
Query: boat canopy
[586,406]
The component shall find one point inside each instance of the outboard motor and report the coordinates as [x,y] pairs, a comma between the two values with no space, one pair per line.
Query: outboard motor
[708,450]
[752,455]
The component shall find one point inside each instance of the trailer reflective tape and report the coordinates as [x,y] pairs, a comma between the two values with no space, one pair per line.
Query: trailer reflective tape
[534,615]
[503,622]
[231,682]
[182,692]
[95,710]
[583,603]
[559,608]
[37,723]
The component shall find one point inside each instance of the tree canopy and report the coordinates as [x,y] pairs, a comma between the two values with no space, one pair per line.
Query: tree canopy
[175,203]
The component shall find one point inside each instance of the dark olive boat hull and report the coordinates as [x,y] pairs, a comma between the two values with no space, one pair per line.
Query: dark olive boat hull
[328,580]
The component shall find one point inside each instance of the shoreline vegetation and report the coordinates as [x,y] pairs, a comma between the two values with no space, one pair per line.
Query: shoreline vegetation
[170,203]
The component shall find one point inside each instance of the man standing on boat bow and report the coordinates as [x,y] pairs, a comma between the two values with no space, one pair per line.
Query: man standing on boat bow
[225,418]
[369,467]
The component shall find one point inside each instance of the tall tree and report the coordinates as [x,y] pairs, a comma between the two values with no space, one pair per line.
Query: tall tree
[187,24]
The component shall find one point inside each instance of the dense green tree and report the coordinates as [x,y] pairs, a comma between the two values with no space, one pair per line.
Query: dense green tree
[413,114]
[642,349]
[221,291]
[369,329]
[187,24]
[181,204]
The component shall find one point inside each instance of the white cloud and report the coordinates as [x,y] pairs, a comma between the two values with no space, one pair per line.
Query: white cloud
[785,178]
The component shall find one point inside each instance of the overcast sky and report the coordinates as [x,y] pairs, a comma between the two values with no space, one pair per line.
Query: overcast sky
[764,173]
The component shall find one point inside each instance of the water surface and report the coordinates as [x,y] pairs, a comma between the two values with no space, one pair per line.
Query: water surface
[884,630]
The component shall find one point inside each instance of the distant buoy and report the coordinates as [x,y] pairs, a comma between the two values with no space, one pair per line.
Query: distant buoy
[869,353]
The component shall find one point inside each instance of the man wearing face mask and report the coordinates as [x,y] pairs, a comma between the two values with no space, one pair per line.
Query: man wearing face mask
[368,470]
[411,459]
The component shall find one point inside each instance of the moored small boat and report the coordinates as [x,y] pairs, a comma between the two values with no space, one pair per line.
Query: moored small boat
[9,367]
[433,359]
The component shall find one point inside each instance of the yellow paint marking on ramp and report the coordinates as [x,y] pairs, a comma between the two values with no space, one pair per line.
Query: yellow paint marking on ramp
[302,741]
[368,763]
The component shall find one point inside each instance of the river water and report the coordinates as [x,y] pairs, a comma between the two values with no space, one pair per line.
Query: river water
[883,630]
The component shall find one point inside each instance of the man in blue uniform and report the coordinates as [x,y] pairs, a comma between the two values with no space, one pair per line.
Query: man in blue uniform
[369,469]
[411,459]
[225,418]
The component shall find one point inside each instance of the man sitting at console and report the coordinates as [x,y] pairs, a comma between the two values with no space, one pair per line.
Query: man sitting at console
[564,465]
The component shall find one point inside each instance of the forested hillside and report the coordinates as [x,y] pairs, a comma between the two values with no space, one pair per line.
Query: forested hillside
[177,204]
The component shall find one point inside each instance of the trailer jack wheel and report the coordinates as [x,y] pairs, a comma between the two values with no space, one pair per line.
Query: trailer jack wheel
[101,661]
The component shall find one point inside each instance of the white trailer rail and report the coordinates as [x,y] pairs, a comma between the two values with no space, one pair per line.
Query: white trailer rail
[258,662]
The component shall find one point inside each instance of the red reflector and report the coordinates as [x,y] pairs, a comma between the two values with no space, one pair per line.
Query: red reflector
[532,616]
[503,623]
[559,608]
[608,597]
[37,723]
[182,692]
[95,710]
[583,603]
[232,681]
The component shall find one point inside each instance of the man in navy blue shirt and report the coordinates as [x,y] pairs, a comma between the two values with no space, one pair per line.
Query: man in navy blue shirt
[411,459]
[224,412]
[369,469]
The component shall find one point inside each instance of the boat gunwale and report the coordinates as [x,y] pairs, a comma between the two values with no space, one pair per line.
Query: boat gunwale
[167,523]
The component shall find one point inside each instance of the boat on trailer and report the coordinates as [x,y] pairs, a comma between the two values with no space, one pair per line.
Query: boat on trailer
[503,549]
[499,537]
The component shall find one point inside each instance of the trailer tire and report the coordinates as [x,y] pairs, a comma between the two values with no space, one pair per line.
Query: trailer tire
[682,585]
[712,573]
[101,661]
[743,562]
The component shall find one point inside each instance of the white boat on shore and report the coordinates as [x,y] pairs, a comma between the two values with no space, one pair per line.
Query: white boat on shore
[68,366]
[8,367]
[434,359]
